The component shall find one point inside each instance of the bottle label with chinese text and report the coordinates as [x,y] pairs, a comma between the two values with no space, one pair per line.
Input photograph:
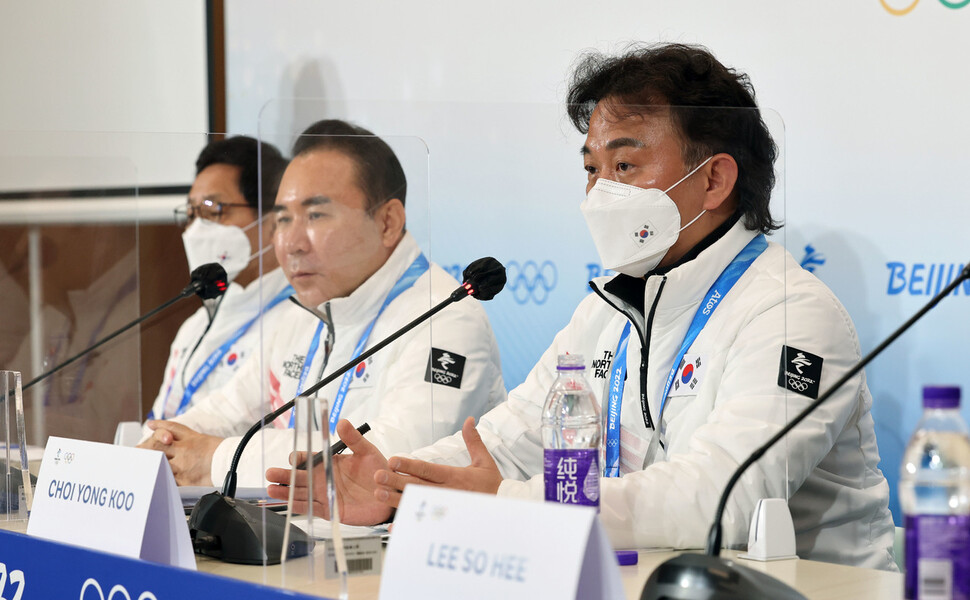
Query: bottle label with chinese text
[572,476]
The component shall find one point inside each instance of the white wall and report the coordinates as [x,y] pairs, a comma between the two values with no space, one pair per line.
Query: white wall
[103,66]
[875,135]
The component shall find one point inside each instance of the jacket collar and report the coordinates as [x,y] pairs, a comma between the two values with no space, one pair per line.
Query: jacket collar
[690,281]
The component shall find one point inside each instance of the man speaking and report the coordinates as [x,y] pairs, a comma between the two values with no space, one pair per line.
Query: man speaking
[359,276]
[677,203]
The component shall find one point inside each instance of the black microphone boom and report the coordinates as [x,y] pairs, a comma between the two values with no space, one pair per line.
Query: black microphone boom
[208,281]
[709,577]
[211,516]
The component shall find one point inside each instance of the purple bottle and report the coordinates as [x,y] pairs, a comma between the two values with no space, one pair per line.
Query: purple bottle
[571,433]
[934,490]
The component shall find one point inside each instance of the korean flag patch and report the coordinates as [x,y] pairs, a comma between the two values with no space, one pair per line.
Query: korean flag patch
[689,375]
[363,374]
[445,368]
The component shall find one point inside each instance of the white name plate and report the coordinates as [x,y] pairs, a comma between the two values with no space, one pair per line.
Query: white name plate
[451,544]
[111,498]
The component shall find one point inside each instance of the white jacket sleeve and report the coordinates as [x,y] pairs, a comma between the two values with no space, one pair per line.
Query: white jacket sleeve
[512,430]
[414,412]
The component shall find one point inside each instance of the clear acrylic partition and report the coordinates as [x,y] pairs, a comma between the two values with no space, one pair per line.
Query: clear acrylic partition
[69,275]
[506,180]
[338,220]
[502,180]
[16,489]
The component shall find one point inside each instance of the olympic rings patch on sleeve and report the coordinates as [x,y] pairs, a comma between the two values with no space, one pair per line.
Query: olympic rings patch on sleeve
[800,371]
[445,368]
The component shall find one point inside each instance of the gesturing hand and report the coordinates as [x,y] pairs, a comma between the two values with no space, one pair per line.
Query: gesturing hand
[481,476]
[353,477]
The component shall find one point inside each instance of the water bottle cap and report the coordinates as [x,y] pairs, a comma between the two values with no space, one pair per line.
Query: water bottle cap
[941,396]
[571,362]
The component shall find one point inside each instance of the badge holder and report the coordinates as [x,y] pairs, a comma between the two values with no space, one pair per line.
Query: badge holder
[16,485]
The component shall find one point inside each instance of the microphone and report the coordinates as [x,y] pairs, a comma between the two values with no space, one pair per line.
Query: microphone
[708,576]
[208,281]
[217,517]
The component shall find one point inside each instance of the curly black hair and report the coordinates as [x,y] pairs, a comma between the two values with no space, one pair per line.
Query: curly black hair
[711,106]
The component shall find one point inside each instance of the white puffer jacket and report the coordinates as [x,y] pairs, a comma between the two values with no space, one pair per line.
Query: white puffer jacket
[408,402]
[827,468]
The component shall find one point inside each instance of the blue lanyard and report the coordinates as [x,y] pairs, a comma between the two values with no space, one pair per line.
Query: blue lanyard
[709,304]
[721,287]
[411,274]
[617,379]
[310,353]
[215,358]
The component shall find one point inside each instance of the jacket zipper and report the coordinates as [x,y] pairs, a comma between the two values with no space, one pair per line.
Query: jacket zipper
[644,345]
[327,342]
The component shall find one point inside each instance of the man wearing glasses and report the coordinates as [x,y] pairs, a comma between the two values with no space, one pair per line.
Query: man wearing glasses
[221,221]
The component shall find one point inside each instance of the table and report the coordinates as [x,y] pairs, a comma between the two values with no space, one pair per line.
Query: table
[816,580]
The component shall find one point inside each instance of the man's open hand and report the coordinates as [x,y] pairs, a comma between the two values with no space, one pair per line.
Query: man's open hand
[481,476]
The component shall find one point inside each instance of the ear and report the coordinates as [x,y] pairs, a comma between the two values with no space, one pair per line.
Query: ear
[721,176]
[390,217]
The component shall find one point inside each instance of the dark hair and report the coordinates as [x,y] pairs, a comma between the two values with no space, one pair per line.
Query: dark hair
[688,81]
[247,153]
[379,173]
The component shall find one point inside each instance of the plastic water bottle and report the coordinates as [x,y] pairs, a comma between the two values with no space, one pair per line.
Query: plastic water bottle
[571,433]
[934,489]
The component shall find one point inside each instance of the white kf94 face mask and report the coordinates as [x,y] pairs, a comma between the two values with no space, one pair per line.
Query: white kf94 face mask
[633,227]
[210,242]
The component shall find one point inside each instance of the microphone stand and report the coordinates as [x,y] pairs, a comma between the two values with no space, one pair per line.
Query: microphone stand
[720,578]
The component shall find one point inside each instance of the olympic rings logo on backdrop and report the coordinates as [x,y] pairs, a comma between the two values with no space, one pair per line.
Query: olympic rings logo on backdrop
[118,589]
[794,384]
[903,7]
[531,281]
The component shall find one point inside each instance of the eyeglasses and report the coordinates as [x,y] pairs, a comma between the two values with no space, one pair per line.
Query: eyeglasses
[207,209]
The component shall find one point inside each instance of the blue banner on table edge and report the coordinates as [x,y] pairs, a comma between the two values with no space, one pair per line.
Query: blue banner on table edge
[39,569]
